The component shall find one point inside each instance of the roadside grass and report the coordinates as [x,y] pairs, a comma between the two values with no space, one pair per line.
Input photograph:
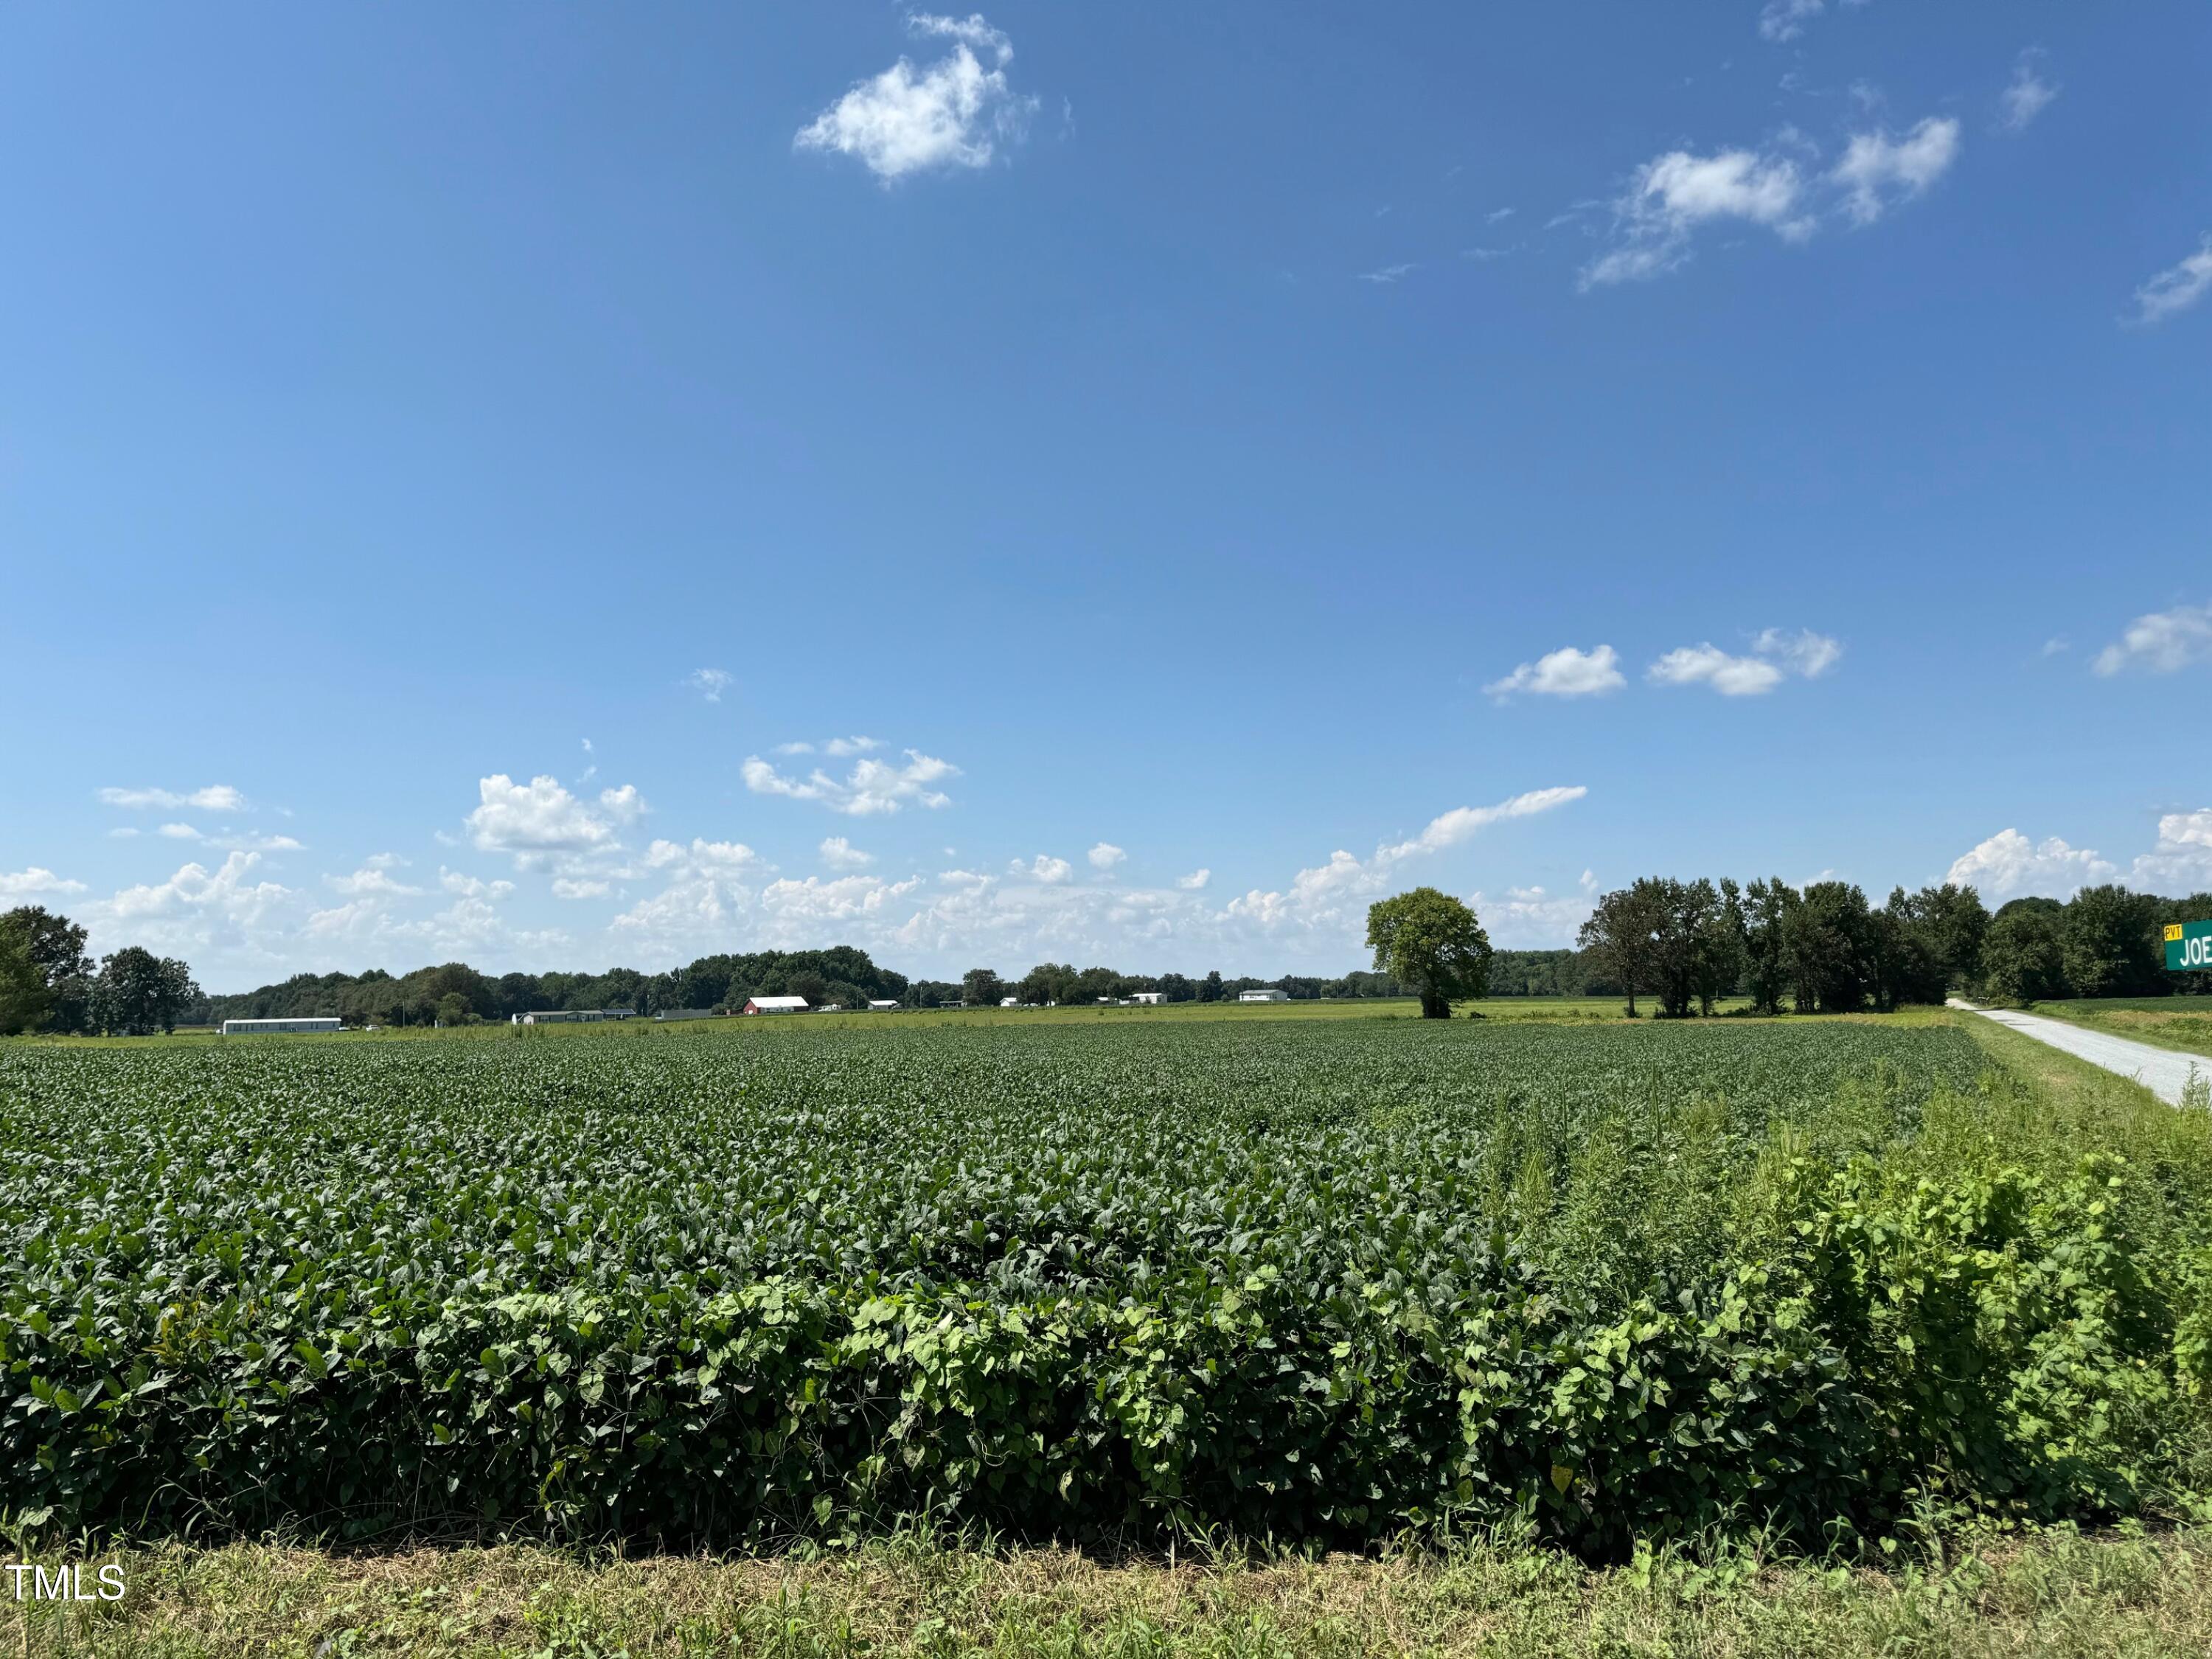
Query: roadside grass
[2051,1593]
[2178,1022]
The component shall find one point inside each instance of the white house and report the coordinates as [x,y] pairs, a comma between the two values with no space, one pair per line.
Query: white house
[1266,994]
[1010,1002]
[775,1005]
[1147,998]
[881,1005]
[270,1027]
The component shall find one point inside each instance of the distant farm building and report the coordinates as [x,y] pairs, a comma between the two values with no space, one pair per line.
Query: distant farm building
[883,1006]
[559,1017]
[1010,1002]
[1146,998]
[775,1005]
[687,1013]
[270,1027]
[1269,994]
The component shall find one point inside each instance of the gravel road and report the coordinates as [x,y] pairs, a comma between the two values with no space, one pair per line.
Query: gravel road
[2164,1071]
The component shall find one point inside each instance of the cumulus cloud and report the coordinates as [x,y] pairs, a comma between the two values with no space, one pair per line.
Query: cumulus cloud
[2027,96]
[1044,868]
[1877,171]
[1195,881]
[34,881]
[1672,196]
[2160,642]
[2177,287]
[1708,664]
[468,886]
[374,876]
[838,747]
[873,788]
[1335,894]
[841,854]
[1774,655]
[708,682]
[581,887]
[1533,918]
[178,832]
[2010,866]
[255,844]
[1105,855]
[215,798]
[797,910]
[954,113]
[540,817]
[2183,858]
[1566,672]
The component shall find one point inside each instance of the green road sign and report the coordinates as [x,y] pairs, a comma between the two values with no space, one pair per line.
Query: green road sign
[2188,944]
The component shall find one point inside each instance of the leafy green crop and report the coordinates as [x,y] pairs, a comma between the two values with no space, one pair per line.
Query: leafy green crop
[1321,1279]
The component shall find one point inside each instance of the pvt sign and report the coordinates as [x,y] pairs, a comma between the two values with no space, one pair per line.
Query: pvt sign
[2188,944]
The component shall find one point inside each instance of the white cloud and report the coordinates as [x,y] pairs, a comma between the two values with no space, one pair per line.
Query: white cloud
[2183,858]
[1335,895]
[841,854]
[541,816]
[1708,664]
[2027,97]
[28,884]
[1566,672]
[581,887]
[873,787]
[2160,642]
[1044,868]
[2008,866]
[1105,855]
[1532,919]
[192,887]
[1385,275]
[1774,656]
[951,113]
[1785,20]
[1195,881]
[178,832]
[708,682]
[623,806]
[255,844]
[1878,171]
[798,909]
[373,877]
[1672,195]
[838,747]
[215,798]
[1803,652]
[468,886]
[2177,287]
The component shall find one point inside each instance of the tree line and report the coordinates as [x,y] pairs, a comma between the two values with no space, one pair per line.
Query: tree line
[1683,946]
[49,983]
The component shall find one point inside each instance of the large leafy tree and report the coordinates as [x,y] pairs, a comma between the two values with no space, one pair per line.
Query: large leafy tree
[2110,944]
[980,987]
[23,996]
[2023,959]
[138,993]
[1430,941]
[54,946]
[1622,937]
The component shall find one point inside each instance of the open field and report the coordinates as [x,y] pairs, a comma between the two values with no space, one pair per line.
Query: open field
[2182,1023]
[1305,1280]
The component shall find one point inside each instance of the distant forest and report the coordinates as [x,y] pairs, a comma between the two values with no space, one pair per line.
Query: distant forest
[1683,943]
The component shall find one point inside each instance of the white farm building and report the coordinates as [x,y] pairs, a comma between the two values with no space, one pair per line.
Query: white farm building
[1147,998]
[878,1006]
[775,1005]
[268,1027]
[1266,994]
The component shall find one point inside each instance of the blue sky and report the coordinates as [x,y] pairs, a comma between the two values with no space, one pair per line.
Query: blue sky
[1226,463]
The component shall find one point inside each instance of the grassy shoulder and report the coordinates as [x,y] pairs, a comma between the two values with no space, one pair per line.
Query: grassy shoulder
[2184,1024]
[2054,1595]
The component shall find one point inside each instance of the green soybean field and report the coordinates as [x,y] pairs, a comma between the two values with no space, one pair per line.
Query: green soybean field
[1328,1281]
